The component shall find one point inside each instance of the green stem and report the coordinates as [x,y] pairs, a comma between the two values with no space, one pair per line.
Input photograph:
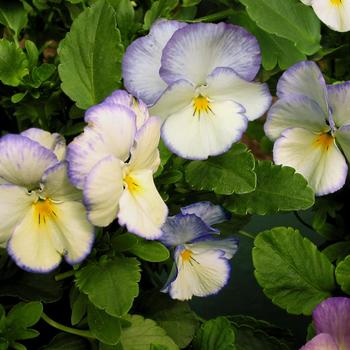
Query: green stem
[303,221]
[64,275]
[154,278]
[63,328]
[214,16]
[246,234]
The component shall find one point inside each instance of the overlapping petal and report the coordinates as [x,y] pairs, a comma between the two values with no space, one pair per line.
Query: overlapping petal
[342,137]
[339,103]
[321,342]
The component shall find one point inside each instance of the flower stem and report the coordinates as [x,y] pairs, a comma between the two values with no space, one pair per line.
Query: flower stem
[61,327]
[64,275]
[303,221]
[246,234]
[214,16]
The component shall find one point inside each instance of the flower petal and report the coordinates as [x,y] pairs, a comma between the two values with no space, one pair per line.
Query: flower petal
[294,112]
[342,136]
[211,214]
[102,190]
[141,62]
[54,142]
[208,134]
[144,153]
[57,186]
[23,161]
[304,79]
[322,164]
[225,84]
[142,209]
[200,273]
[194,51]
[321,342]
[335,14]
[339,103]
[183,228]
[332,316]
[15,202]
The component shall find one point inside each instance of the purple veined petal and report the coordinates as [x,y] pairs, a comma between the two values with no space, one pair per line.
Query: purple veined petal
[321,342]
[342,136]
[194,51]
[141,62]
[304,79]
[332,316]
[210,213]
[294,112]
[183,228]
[225,84]
[23,161]
[315,156]
[339,103]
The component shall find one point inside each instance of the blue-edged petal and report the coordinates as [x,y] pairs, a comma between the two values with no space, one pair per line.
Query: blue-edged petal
[23,161]
[54,142]
[102,190]
[315,156]
[321,342]
[201,272]
[342,136]
[225,84]
[332,316]
[304,79]
[138,106]
[141,62]
[15,202]
[193,135]
[183,228]
[228,246]
[194,51]
[294,112]
[339,103]
[209,213]
[141,208]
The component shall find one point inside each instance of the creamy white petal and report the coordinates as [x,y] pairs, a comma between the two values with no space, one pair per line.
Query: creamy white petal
[342,137]
[141,61]
[141,208]
[102,190]
[294,112]
[334,13]
[23,161]
[15,202]
[307,2]
[54,142]
[304,79]
[339,103]
[200,273]
[318,160]
[144,153]
[225,84]
[210,133]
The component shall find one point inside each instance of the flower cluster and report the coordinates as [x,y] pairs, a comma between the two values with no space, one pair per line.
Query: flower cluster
[198,78]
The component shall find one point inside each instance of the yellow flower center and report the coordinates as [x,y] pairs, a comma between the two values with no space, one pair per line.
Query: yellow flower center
[43,211]
[324,141]
[131,184]
[201,104]
[336,2]
[186,255]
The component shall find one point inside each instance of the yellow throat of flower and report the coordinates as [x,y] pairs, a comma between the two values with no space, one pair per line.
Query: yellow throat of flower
[201,104]
[186,255]
[324,141]
[44,210]
[131,184]
[336,2]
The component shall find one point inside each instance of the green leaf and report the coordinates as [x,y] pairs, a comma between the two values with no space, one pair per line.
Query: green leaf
[104,327]
[43,72]
[342,273]
[79,307]
[13,63]
[125,15]
[279,188]
[91,55]
[117,280]
[64,341]
[301,25]
[161,8]
[124,242]
[215,334]
[232,172]
[274,49]
[150,251]
[32,53]
[25,314]
[337,251]
[142,333]
[13,15]
[292,272]
[18,97]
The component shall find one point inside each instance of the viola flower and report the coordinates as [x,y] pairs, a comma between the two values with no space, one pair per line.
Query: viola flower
[41,214]
[311,123]
[113,162]
[332,324]
[201,259]
[200,84]
[334,13]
